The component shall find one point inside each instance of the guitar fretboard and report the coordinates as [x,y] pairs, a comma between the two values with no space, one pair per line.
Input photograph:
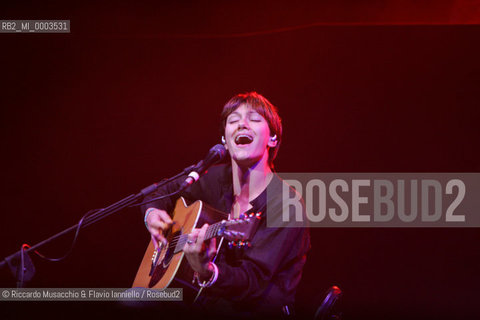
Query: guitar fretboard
[212,232]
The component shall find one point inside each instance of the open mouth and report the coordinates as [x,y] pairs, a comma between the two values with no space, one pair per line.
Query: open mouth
[243,139]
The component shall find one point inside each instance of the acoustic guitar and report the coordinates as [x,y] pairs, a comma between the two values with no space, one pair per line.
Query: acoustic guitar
[167,266]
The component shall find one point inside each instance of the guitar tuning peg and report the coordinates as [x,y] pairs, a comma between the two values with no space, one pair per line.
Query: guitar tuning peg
[239,244]
[237,234]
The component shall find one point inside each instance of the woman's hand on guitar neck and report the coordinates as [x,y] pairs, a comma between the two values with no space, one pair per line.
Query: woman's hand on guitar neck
[158,222]
[200,253]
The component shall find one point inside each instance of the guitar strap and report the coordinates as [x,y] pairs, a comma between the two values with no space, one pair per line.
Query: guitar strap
[213,260]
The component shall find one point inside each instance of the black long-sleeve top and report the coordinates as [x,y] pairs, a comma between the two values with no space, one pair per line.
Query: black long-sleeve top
[259,278]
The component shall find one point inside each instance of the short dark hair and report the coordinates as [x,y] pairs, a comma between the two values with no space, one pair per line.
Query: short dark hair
[261,105]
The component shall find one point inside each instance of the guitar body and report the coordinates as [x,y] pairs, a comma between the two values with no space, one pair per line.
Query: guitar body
[168,266]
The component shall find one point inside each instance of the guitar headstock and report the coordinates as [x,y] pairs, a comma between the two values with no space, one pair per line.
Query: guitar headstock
[240,231]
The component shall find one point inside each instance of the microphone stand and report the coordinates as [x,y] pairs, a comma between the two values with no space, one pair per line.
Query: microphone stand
[20,260]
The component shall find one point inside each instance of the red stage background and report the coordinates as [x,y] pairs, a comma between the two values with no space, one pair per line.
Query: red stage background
[133,94]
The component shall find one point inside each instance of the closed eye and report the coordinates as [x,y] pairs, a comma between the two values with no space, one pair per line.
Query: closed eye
[254,116]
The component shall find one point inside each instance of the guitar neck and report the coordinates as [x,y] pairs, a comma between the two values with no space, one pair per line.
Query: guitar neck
[212,232]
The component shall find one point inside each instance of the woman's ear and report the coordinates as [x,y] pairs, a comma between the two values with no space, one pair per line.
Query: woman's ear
[272,142]
[224,142]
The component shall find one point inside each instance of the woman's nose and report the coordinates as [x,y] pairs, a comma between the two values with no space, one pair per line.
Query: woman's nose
[243,123]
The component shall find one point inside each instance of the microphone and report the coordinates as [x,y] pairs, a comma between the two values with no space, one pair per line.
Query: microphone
[216,154]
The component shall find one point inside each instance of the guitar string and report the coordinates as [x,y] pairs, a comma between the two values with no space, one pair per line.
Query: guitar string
[210,232]
[179,238]
[217,226]
[183,238]
[214,230]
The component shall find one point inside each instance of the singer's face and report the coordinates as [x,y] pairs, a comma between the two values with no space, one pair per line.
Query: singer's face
[247,136]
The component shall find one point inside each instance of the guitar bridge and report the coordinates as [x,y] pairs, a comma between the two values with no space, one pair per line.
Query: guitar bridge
[155,257]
